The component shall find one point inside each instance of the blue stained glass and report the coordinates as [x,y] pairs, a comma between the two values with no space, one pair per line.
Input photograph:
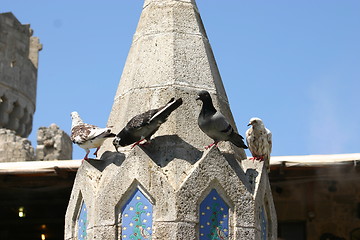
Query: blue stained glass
[82,222]
[137,217]
[263,224]
[214,218]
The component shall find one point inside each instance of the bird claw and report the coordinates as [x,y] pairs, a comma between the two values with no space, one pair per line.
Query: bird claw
[145,143]
[260,159]
[96,152]
[209,146]
[137,143]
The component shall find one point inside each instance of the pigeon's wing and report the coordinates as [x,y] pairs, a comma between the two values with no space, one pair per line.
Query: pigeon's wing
[97,132]
[250,141]
[221,124]
[215,126]
[249,137]
[163,113]
[159,114]
[140,120]
[81,133]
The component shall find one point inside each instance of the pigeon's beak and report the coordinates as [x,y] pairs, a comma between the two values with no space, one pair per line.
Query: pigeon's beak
[198,98]
[116,149]
[249,124]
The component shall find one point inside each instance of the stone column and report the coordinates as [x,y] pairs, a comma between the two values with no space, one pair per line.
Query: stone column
[172,188]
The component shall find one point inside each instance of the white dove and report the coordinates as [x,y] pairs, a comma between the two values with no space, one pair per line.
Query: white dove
[88,136]
[259,140]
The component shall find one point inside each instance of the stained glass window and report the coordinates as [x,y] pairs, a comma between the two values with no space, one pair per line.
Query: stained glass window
[137,217]
[82,222]
[214,218]
[263,224]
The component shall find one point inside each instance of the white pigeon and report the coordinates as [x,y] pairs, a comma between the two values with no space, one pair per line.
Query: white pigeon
[259,140]
[88,136]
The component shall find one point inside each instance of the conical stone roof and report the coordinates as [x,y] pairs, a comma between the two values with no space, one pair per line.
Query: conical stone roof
[170,56]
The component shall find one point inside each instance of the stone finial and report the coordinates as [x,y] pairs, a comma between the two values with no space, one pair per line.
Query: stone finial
[53,144]
[14,148]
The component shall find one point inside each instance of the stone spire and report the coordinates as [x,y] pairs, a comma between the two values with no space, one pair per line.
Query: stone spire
[170,57]
[172,188]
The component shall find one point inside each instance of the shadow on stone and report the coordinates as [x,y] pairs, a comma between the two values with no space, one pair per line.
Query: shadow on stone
[106,159]
[251,175]
[164,149]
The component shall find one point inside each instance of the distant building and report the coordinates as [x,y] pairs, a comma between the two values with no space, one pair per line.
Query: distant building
[317,197]
[19,54]
[18,74]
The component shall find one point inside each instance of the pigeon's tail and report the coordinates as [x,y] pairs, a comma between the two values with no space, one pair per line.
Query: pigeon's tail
[237,140]
[165,111]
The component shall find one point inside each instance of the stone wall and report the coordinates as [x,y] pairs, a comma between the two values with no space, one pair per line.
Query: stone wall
[53,144]
[14,148]
[18,74]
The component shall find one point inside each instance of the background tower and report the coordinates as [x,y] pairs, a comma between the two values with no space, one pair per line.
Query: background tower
[171,189]
[19,52]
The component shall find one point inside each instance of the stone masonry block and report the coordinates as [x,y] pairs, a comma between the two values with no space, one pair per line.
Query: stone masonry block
[53,144]
[14,148]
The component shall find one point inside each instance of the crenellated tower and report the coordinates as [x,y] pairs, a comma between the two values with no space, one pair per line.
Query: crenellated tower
[19,52]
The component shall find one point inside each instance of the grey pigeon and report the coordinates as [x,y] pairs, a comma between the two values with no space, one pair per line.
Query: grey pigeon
[143,126]
[215,125]
[88,136]
[259,140]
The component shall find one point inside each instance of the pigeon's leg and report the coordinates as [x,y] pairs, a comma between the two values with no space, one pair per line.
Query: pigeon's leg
[260,158]
[145,143]
[214,143]
[253,158]
[87,154]
[137,143]
[97,149]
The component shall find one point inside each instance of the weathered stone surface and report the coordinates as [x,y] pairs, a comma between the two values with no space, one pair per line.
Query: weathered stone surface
[170,57]
[53,144]
[174,230]
[85,188]
[18,74]
[105,185]
[14,148]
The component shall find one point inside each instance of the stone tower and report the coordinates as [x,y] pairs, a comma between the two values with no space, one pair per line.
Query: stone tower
[18,80]
[19,52]
[172,188]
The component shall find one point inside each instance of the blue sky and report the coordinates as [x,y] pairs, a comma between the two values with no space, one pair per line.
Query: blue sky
[295,64]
